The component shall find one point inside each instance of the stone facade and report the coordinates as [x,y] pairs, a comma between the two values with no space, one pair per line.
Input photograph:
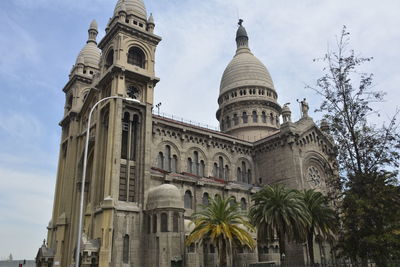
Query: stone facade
[147,174]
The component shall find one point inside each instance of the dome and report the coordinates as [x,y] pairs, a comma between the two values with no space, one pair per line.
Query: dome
[245,70]
[164,196]
[189,226]
[90,54]
[135,7]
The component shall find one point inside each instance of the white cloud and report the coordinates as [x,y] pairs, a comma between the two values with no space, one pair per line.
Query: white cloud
[18,49]
[26,198]
[21,126]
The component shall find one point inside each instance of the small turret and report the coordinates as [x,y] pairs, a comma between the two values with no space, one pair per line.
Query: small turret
[150,23]
[286,113]
[242,39]
[122,12]
[324,126]
[93,32]
[80,64]
[108,25]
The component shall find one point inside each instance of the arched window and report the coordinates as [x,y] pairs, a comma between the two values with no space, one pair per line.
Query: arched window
[175,222]
[136,57]
[244,174]
[189,165]
[245,117]
[249,176]
[239,174]
[235,119]
[202,167]
[167,158]
[154,223]
[109,59]
[164,222]
[134,137]
[125,249]
[221,168]
[215,170]
[264,117]
[196,163]
[174,163]
[188,200]
[255,117]
[226,172]
[232,201]
[205,200]
[243,204]
[228,122]
[125,136]
[160,160]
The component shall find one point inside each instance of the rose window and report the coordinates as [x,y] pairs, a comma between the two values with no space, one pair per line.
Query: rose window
[313,176]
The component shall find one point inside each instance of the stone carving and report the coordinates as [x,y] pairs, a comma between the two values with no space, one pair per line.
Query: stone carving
[304,108]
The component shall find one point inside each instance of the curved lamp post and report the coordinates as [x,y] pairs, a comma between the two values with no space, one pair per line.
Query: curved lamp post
[78,242]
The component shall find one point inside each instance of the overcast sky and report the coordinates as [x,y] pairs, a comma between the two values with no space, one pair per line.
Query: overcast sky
[40,40]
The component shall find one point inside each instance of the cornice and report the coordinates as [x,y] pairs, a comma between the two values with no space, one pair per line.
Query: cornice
[77,78]
[133,31]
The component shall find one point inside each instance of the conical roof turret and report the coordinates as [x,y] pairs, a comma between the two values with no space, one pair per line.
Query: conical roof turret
[151,19]
[90,53]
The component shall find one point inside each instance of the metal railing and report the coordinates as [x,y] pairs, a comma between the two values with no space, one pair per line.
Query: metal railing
[186,121]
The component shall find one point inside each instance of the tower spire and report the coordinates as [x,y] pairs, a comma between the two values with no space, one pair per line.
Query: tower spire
[92,32]
[242,39]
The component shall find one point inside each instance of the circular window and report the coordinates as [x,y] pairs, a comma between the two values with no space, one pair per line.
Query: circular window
[133,92]
[314,176]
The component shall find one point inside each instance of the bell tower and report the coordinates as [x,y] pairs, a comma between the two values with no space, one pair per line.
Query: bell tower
[123,138]
[128,51]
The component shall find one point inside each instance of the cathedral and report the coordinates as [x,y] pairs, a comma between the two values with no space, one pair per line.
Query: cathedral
[147,174]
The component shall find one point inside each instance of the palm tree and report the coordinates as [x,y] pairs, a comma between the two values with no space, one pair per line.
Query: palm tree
[281,211]
[322,218]
[222,223]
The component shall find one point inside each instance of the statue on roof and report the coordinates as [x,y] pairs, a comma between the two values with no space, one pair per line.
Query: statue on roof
[304,108]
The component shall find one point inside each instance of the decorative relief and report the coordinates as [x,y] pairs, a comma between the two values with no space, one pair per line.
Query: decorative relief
[133,92]
[314,177]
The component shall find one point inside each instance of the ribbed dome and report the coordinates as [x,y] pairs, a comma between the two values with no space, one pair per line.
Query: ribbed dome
[135,7]
[245,70]
[90,54]
[164,196]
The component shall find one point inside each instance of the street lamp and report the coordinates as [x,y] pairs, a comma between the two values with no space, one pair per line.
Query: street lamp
[78,242]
